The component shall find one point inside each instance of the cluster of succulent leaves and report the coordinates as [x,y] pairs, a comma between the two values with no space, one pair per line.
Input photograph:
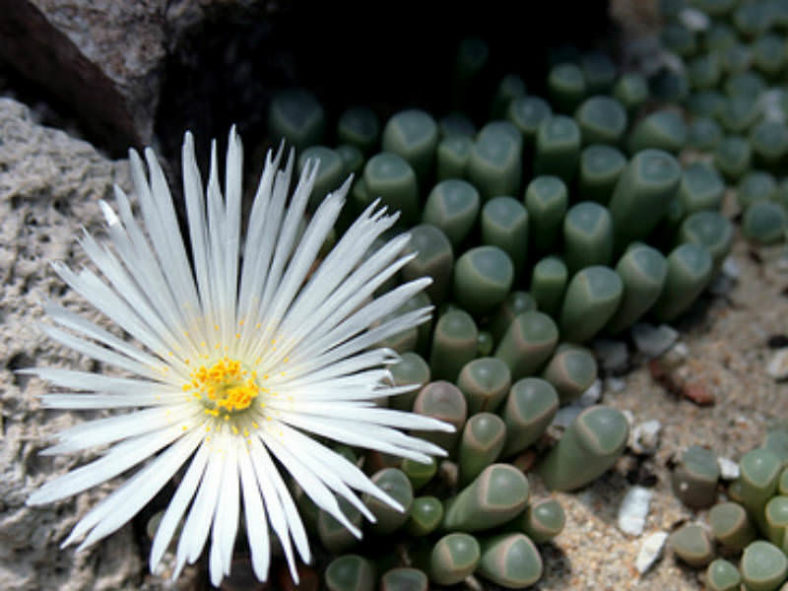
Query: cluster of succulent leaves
[729,75]
[560,219]
[751,524]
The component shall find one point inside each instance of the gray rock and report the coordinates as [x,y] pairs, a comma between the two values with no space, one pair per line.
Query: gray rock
[652,340]
[633,510]
[49,188]
[650,551]
[101,57]
[778,364]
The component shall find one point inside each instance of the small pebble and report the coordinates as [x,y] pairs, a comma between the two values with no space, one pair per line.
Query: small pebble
[566,415]
[698,393]
[592,395]
[675,356]
[778,365]
[652,340]
[615,384]
[650,551]
[633,510]
[730,268]
[694,19]
[729,470]
[721,285]
[644,437]
[613,355]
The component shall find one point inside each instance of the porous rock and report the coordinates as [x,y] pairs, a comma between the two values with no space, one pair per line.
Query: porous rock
[49,188]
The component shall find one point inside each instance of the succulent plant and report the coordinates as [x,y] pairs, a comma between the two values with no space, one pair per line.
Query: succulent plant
[495,163]
[396,484]
[527,114]
[527,412]
[528,343]
[413,135]
[764,222]
[591,299]
[453,558]
[542,520]
[452,206]
[504,224]
[558,142]
[566,86]
[599,171]
[589,447]
[497,495]
[692,545]
[546,200]
[484,382]
[731,526]
[588,236]
[510,560]
[454,343]
[763,566]
[602,120]
[483,277]
[359,127]
[350,572]
[296,115]
[722,575]
[390,177]
[571,371]
[444,401]
[643,271]
[426,514]
[689,271]
[515,304]
[481,444]
[662,130]
[548,284]
[695,477]
[631,89]
[642,194]
[452,156]
[404,579]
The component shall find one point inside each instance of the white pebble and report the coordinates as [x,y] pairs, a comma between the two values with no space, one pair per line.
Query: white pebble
[650,551]
[778,365]
[729,470]
[644,438]
[633,510]
[592,395]
[615,384]
[730,268]
[694,19]
[652,340]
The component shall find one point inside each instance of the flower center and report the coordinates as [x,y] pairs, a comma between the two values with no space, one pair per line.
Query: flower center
[224,388]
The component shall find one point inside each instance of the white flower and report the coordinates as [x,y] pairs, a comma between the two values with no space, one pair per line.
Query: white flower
[247,351]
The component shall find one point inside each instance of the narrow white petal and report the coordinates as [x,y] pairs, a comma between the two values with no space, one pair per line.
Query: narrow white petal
[119,459]
[177,507]
[111,429]
[118,508]
[255,517]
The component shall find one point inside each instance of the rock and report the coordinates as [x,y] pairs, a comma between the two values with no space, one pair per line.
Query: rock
[592,395]
[729,470]
[101,57]
[698,392]
[615,384]
[652,340]
[613,355]
[644,437]
[730,268]
[650,551]
[49,188]
[694,19]
[633,510]
[778,364]
[566,415]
